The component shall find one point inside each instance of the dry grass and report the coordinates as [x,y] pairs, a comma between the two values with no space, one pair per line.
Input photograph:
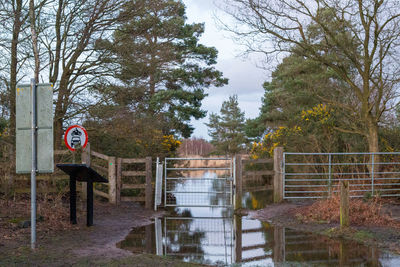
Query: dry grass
[52,215]
[361,212]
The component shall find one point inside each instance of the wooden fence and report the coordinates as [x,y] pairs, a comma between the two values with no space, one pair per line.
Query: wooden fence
[123,174]
[257,174]
[138,179]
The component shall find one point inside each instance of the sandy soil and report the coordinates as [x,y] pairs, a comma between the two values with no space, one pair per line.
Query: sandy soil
[284,214]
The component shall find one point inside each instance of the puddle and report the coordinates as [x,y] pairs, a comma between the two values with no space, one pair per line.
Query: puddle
[214,236]
[218,241]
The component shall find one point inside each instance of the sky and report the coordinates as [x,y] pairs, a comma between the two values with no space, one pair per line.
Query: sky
[245,78]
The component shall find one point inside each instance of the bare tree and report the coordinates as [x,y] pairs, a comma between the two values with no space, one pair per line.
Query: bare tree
[357,39]
[13,17]
[32,20]
[68,36]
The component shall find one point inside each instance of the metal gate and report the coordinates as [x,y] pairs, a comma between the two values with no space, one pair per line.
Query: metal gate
[318,175]
[199,182]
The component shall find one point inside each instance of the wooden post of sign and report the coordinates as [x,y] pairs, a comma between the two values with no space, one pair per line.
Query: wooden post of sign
[119,180]
[149,188]
[85,160]
[278,174]
[112,180]
[344,204]
[238,182]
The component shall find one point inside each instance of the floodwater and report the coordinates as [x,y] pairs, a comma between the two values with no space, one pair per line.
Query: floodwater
[214,236]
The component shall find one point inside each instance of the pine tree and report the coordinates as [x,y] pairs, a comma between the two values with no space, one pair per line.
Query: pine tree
[161,68]
[227,130]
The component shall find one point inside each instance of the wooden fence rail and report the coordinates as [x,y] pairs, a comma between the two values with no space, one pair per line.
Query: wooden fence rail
[110,167]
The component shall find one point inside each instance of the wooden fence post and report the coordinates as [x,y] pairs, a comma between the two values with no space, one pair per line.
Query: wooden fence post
[279,245]
[112,181]
[85,160]
[238,238]
[238,182]
[278,175]
[344,204]
[149,188]
[119,180]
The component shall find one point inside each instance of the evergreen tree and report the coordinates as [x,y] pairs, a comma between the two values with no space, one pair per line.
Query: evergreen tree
[161,67]
[161,72]
[227,130]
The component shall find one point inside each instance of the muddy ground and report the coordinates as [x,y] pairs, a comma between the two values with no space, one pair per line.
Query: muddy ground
[284,214]
[80,245]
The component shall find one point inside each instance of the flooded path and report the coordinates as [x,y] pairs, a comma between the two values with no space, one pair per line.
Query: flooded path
[214,236]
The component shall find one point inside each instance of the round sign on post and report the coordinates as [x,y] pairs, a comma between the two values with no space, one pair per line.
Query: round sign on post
[75,136]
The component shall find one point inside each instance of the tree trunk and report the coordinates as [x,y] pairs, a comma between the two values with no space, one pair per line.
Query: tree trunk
[34,39]
[60,110]
[373,139]
[14,65]
[373,144]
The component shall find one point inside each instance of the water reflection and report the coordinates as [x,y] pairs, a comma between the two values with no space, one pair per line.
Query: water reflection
[215,241]
[214,236]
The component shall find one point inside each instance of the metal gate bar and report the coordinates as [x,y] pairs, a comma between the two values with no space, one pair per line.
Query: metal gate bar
[320,174]
[212,188]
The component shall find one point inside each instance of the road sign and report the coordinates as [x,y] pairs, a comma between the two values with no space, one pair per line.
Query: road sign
[75,136]
[44,124]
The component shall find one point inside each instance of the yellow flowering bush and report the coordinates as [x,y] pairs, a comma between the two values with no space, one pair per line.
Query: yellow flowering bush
[170,144]
[320,113]
[271,140]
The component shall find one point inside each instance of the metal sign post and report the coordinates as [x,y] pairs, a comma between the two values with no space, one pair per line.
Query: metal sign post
[34,136]
[34,165]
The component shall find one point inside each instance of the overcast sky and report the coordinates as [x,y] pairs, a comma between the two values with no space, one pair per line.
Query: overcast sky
[245,79]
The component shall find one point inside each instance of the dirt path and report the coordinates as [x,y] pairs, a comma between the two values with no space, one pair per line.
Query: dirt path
[86,246]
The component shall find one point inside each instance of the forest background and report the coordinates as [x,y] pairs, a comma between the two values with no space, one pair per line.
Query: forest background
[135,74]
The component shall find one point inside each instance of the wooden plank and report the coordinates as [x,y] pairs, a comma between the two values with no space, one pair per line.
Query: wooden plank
[133,186]
[86,159]
[112,180]
[257,188]
[137,199]
[98,167]
[134,173]
[258,161]
[149,191]
[43,178]
[101,193]
[255,173]
[38,190]
[99,155]
[134,160]
[278,178]
[253,230]
[238,182]
[119,180]
[344,204]
[61,152]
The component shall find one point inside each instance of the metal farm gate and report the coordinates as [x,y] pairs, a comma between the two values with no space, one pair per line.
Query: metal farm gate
[196,182]
[318,175]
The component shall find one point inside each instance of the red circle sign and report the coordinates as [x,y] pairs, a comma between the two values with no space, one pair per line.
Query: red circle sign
[75,136]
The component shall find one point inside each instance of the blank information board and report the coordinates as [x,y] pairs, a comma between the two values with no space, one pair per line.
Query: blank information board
[45,158]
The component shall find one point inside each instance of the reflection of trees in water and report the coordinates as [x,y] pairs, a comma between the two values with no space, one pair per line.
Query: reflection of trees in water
[295,246]
[257,200]
[222,186]
[182,239]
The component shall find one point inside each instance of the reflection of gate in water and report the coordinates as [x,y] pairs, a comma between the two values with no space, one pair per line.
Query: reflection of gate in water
[198,182]
[200,239]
